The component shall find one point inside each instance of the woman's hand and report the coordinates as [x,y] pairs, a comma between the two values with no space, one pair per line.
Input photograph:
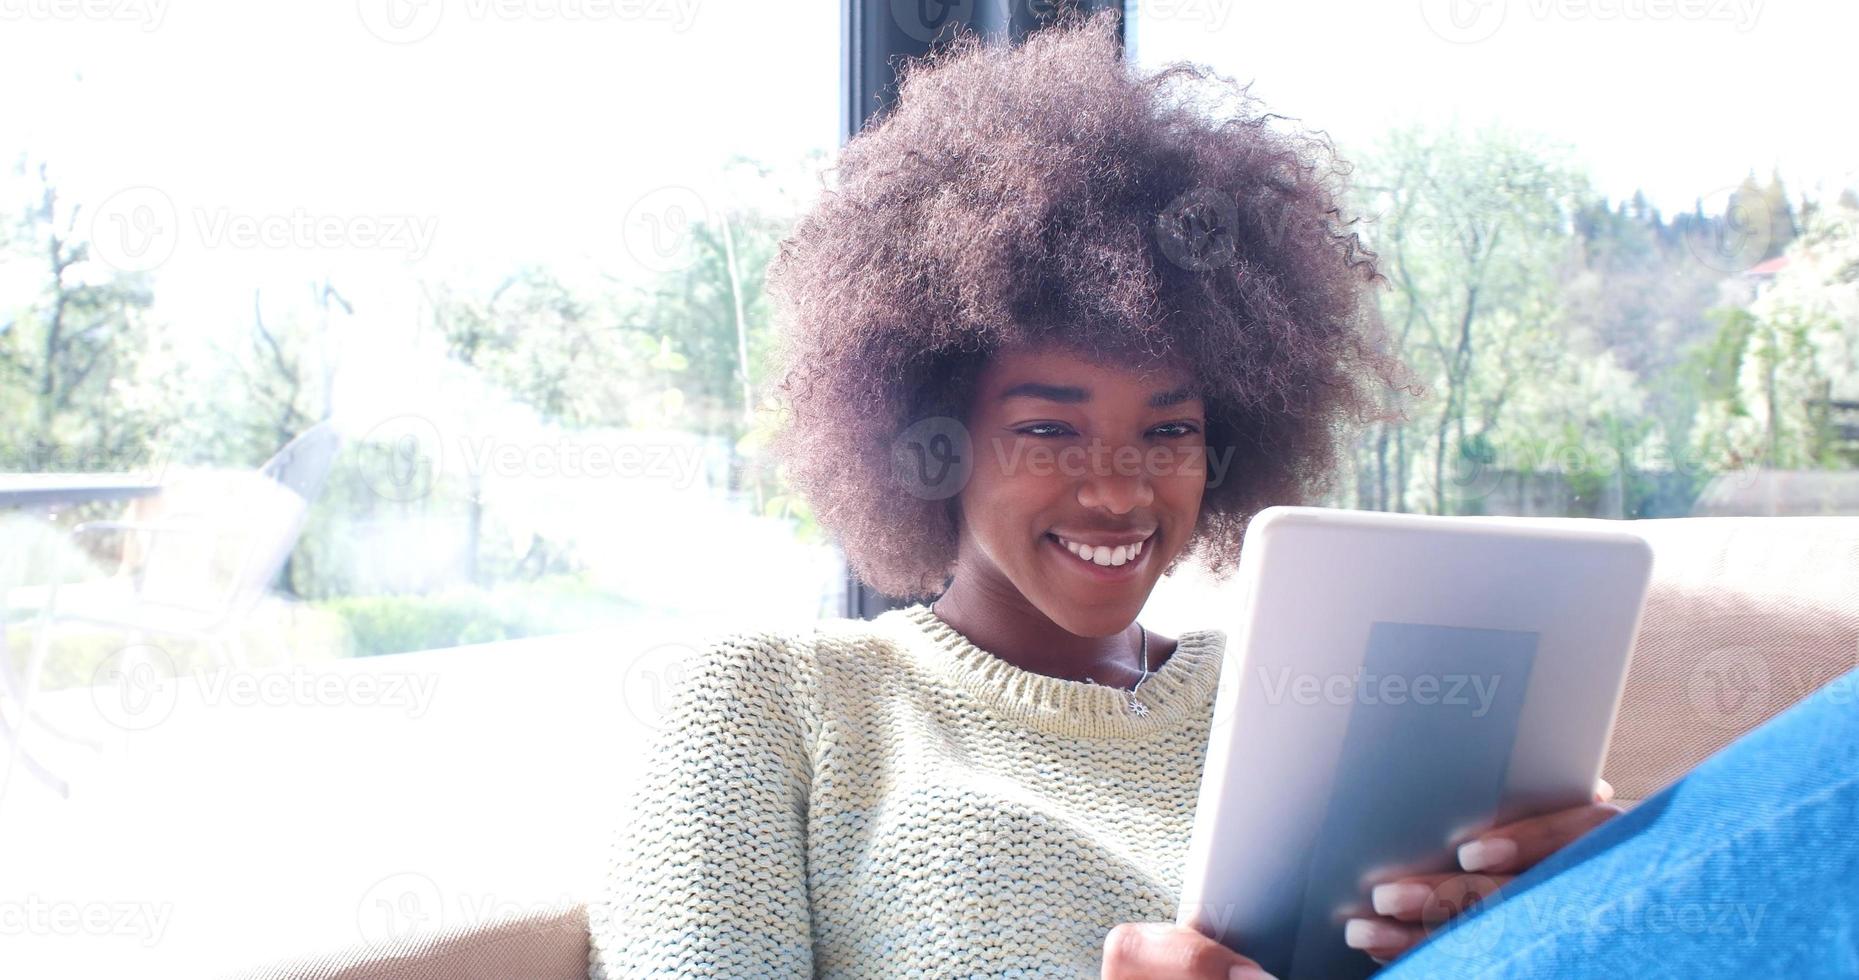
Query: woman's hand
[1411,907]
[1165,951]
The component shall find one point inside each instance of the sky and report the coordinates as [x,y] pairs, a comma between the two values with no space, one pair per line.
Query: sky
[375,140]
[1679,98]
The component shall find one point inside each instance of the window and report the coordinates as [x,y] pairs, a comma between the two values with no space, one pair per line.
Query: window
[511,252]
[1622,241]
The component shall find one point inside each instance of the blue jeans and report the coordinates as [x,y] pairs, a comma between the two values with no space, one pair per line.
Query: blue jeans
[1746,867]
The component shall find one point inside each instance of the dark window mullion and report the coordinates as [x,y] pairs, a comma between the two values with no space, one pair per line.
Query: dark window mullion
[872,43]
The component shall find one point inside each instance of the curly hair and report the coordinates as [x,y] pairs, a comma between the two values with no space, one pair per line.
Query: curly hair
[1044,194]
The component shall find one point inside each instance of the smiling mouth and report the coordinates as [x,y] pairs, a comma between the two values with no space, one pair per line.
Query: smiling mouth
[1102,557]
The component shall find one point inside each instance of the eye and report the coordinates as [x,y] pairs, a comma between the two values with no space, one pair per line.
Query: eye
[1176,430]
[1033,430]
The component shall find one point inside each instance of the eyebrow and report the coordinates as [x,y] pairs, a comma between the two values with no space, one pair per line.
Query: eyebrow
[1072,395]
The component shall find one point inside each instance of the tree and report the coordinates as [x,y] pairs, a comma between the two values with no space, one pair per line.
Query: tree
[1473,229]
[1786,360]
[713,312]
[71,330]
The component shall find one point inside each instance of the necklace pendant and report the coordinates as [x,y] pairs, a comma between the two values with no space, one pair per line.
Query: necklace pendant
[1138,707]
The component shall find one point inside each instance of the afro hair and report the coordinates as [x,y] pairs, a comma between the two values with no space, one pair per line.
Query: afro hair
[1044,193]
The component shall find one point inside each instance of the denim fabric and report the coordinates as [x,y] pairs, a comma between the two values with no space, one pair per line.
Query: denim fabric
[1746,867]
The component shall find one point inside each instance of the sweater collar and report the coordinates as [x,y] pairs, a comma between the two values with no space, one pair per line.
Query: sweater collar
[1180,689]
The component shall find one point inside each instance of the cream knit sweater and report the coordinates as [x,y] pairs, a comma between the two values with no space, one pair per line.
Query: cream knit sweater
[885,799]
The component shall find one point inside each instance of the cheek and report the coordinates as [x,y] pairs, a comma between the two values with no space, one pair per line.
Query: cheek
[1009,499]
[1010,471]
[1182,484]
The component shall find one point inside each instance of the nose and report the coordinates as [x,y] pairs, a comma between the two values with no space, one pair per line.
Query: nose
[1116,485]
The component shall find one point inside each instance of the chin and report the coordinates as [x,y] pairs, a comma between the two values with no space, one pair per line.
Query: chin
[1081,617]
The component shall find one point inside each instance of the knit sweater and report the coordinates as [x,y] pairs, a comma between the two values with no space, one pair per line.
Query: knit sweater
[883,798]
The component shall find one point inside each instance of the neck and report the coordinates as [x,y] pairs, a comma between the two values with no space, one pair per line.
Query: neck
[1001,621]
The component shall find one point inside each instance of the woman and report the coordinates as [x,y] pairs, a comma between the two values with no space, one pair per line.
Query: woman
[1057,331]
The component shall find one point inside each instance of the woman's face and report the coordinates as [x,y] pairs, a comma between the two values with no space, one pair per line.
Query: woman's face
[1073,454]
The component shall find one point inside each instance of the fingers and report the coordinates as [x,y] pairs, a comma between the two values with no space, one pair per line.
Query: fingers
[1165,951]
[1382,938]
[1517,846]
[1432,899]
[1408,909]
[1411,908]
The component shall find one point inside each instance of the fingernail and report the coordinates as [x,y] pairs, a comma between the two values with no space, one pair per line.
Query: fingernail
[1488,853]
[1156,930]
[1399,900]
[1244,972]
[1369,934]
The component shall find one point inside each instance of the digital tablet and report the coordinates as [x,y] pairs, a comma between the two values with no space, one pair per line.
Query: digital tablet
[1397,683]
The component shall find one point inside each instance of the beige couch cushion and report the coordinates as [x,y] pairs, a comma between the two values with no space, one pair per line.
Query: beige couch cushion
[544,945]
[1745,617]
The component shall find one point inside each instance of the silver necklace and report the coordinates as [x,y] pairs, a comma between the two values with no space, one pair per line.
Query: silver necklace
[1137,707]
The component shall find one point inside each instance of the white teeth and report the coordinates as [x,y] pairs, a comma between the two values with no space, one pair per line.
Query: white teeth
[1104,555]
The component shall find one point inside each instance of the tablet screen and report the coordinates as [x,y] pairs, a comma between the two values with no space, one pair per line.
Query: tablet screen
[1434,714]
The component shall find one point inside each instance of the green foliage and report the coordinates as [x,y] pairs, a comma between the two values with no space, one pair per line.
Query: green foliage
[1719,365]
[1586,482]
[380,624]
[1548,325]
[1478,448]
[74,334]
[1473,232]
[1769,376]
